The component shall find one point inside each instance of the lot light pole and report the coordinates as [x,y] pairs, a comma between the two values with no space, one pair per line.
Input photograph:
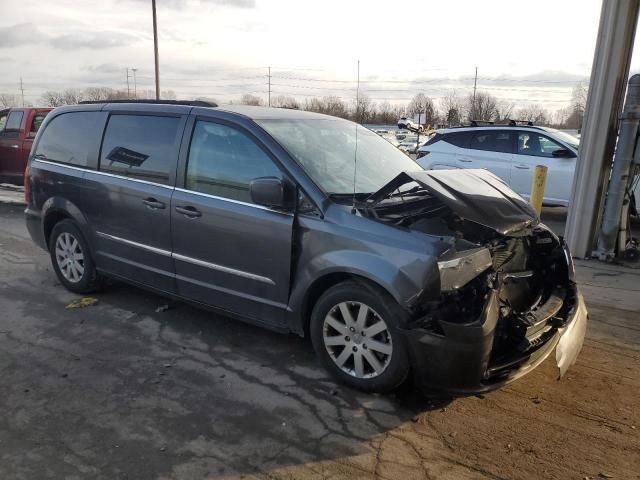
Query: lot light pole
[155,48]
[135,83]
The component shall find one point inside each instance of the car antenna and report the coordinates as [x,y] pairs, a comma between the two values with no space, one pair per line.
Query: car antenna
[355,153]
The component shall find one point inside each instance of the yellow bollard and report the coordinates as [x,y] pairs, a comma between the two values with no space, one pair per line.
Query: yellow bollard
[537,187]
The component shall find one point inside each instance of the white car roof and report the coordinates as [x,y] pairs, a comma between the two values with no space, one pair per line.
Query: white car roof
[492,127]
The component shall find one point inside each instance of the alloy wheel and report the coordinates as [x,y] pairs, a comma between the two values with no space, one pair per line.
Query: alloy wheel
[69,257]
[357,339]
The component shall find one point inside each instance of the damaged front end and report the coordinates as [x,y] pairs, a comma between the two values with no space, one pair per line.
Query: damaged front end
[507,295]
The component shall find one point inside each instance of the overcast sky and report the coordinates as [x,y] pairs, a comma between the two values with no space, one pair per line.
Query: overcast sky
[526,52]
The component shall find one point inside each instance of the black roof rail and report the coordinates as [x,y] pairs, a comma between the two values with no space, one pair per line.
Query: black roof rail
[515,123]
[191,103]
[479,123]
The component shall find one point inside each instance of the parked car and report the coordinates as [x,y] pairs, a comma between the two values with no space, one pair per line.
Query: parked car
[18,128]
[411,144]
[511,153]
[405,123]
[274,217]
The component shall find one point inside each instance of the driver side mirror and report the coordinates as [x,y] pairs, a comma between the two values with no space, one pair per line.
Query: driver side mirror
[271,192]
[563,153]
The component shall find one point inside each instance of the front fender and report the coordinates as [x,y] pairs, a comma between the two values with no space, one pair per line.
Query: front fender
[405,281]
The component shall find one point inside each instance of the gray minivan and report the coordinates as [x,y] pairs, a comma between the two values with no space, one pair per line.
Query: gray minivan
[309,224]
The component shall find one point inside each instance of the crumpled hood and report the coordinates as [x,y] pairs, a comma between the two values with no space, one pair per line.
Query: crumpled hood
[474,194]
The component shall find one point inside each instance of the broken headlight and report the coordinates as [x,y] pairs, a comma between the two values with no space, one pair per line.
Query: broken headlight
[459,268]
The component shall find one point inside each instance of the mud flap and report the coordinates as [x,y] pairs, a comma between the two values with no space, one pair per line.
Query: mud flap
[572,338]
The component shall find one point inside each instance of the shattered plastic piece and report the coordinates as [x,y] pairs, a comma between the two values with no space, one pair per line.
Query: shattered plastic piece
[82,302]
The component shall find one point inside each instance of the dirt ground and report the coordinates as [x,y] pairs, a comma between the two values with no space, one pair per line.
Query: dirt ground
[126,390]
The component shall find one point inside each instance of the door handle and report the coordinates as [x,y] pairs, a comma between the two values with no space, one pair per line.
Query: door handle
[153,204]
[465,160]
[189,211]
[523,167]
[15,146]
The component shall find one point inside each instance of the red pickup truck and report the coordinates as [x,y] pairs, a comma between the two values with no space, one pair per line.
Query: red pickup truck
[18,127]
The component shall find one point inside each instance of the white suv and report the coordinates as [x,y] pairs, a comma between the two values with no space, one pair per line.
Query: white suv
[511,152]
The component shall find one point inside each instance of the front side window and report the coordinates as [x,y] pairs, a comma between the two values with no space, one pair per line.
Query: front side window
[141,146]
[499,141]
[224,160]
[70,138]
[530,143]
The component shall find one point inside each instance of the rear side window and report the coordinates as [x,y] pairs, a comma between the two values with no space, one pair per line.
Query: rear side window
[14,120]
[38,118]
[70,138]
[141,146]
[223,161]
[458,139]
[492,141]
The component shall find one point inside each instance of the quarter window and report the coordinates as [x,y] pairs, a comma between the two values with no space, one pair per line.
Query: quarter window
[38,118]
[224,160]
[141,146]
[70,138]
[492,141]
[530,143]
[3,121]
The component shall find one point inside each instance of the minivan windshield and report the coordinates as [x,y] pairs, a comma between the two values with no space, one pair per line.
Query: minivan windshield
[326,150]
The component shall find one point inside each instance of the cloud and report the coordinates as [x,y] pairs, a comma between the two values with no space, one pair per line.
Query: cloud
[91,40]
[182,4]
[19,34]
[28,34]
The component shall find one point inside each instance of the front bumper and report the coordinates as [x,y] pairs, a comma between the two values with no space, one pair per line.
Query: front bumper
[460,359]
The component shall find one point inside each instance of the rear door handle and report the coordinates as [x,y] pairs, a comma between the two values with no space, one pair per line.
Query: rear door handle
[15,146]
[465,160]
[153,204]
[189,211]
[523,167]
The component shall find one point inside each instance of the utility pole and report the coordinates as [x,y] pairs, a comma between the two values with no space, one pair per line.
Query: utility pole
[269,77]
[22,91]
[475,82]
[155,48]
[128,91]
[358,116]
[135,83]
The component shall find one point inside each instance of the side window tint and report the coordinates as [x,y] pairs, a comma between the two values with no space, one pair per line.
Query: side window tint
[531,143]
[38,118]
[141,146]
[14,120]
[70,138]
[223,161]
[492,141]
[458,139]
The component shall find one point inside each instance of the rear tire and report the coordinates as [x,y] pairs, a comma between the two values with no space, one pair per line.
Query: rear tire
[71,258]
[354,331]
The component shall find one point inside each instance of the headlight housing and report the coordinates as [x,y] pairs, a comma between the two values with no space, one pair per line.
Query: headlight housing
[459,268]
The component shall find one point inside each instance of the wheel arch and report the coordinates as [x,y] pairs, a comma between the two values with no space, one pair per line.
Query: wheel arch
[56,209]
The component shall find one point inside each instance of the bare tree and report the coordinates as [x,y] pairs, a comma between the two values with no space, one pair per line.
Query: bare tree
[451,107]
[483,106]
[533,113]
[364,109]
[51,98]
[283,101]
[330,105]
[504,110]
[423,105]
[578,105]
[248,99]
[9,100]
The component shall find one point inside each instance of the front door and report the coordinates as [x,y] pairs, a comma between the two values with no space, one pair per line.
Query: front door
[537,149]
[128,199]
[11,166]
[228,251]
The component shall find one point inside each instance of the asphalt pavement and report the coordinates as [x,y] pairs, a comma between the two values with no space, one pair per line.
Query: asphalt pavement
[139,387]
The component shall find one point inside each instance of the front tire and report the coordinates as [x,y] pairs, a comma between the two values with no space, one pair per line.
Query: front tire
[354,331]
[71,258]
